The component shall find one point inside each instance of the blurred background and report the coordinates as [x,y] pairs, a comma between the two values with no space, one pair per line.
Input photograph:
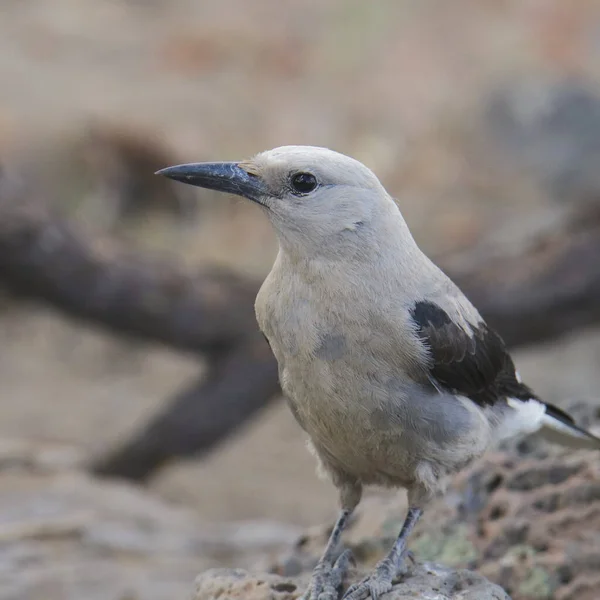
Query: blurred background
[132,379]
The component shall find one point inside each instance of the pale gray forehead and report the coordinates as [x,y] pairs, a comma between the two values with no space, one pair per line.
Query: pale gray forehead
[318,160]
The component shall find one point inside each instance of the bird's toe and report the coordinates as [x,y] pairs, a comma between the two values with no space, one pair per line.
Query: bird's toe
[378,582]
[327,579]
[372,587]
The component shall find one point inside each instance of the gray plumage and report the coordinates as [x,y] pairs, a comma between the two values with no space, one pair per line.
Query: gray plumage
[386,365]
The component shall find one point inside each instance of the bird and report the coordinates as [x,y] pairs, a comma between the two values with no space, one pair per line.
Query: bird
[384,362]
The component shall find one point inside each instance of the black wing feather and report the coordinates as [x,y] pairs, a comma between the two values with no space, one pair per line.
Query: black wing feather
[477,366]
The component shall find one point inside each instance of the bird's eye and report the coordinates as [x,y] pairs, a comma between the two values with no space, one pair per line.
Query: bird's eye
[303,183]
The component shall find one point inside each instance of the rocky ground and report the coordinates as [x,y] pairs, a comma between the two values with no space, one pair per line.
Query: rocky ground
[66,535]
[527,518]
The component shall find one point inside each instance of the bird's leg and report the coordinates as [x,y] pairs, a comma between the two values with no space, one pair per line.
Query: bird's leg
[380,581]
[328,574]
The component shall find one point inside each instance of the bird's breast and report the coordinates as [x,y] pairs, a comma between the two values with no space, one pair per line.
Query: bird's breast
[337,368]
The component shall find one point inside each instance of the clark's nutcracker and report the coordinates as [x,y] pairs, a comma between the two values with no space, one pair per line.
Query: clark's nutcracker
[386,365]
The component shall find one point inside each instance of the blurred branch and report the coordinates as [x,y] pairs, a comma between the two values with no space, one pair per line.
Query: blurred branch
[551,290]
[239,384]
[46,258]
[211,313]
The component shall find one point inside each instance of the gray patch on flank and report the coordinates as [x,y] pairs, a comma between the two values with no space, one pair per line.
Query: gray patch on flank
[331,347]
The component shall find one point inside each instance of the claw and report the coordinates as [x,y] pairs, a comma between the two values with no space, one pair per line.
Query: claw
[372,586]
[343,562]
[327,578]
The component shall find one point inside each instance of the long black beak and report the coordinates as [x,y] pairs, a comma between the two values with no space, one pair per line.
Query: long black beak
[221,176]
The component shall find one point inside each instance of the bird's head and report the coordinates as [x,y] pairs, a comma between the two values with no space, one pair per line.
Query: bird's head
[313,196]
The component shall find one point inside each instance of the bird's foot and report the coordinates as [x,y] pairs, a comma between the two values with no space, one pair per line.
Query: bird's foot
[327,578]
[380,581]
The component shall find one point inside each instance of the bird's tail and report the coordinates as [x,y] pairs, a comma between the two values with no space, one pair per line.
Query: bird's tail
[559,427]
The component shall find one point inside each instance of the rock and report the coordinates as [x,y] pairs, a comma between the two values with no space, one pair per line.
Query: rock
[528,524]
[237,583]
[535,524]
[65,535]
[429,582]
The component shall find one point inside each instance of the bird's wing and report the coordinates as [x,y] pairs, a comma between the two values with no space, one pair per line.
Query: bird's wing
[476,365]
[479,367]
